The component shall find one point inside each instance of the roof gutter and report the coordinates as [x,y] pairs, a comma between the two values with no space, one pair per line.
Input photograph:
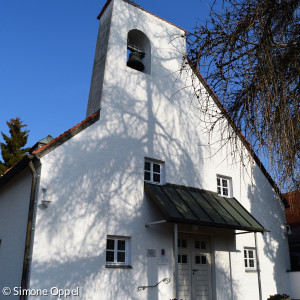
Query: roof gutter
[29,235]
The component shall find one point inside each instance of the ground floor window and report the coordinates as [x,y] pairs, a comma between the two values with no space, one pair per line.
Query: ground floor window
[117,250]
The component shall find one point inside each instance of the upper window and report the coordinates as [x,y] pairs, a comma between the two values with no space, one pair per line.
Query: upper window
[138,51]
[117,251]
[249,259]
[153,172]
[224,186]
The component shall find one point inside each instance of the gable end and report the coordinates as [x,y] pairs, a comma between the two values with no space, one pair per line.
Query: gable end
[239,133]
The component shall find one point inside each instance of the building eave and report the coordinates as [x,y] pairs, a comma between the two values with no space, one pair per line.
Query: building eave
[37,154]
[67,135]
[16,169]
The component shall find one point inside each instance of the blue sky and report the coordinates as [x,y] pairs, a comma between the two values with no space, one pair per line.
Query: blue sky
[46,57]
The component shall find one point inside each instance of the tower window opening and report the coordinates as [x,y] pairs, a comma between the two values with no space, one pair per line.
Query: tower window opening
[138,51]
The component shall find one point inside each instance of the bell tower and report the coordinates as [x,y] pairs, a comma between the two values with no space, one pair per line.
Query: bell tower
[100,59]
[134,49]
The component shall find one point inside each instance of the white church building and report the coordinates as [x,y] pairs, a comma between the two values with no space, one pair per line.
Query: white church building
[139,201]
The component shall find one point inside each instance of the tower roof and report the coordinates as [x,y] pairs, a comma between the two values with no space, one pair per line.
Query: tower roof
[136,5]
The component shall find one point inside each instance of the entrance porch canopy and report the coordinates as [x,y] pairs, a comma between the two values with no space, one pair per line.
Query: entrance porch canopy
[182,204]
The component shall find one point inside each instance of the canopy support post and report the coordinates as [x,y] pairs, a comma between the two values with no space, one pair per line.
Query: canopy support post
[258,267]
[176,258]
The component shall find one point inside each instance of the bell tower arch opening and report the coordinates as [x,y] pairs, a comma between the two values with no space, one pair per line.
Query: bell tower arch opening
[138,51]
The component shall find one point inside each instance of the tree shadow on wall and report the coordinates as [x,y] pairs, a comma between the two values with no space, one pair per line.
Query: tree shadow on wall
[95,182]
[268,209]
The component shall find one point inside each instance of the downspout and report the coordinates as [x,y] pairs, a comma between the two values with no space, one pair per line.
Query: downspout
[176,258]
[258,267]
[27,258]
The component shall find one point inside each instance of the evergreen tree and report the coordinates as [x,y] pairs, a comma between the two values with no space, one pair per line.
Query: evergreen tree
[12,150]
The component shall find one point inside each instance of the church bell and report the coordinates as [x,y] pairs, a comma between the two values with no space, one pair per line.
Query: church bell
[135,61]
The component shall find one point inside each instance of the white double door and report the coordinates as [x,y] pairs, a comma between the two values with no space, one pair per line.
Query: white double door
[194,267]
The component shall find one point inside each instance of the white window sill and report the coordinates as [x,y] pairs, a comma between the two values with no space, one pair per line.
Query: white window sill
[250,271]
[224,196]
[118,267]
[153,182]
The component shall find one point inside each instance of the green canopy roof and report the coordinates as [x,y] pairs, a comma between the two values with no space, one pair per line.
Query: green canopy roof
[183,204]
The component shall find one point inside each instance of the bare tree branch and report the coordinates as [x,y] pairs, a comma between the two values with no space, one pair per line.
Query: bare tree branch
[249,54]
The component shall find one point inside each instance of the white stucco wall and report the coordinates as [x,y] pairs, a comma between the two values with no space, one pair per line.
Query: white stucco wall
[14,205]
[294,279]
[95,182]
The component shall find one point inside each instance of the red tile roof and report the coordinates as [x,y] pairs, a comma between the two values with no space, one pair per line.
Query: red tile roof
[7,170]
[20,165]
[293,212]
[67,134]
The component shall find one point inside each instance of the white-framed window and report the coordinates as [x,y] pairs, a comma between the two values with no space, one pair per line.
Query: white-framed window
[117,251]
[249,259]
[153,171]
[224,186]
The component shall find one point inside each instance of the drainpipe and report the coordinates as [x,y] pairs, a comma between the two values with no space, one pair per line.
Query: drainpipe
[28,242]
[176,258]
[258,267]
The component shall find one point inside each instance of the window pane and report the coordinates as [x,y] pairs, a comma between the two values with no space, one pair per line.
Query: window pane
[183,243]
[156,177]
[147,166]
[109,256]
[121,245]
[184,259]
[197,259]
[251,263]
[250,253]
[225,191]
[224,182]
[218,182]
[246,264]
[219,190]
[110,244]
[156,168]
[147,176]
[203,245]
[203,259]
[197,244]
[245,253]
[121,257]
